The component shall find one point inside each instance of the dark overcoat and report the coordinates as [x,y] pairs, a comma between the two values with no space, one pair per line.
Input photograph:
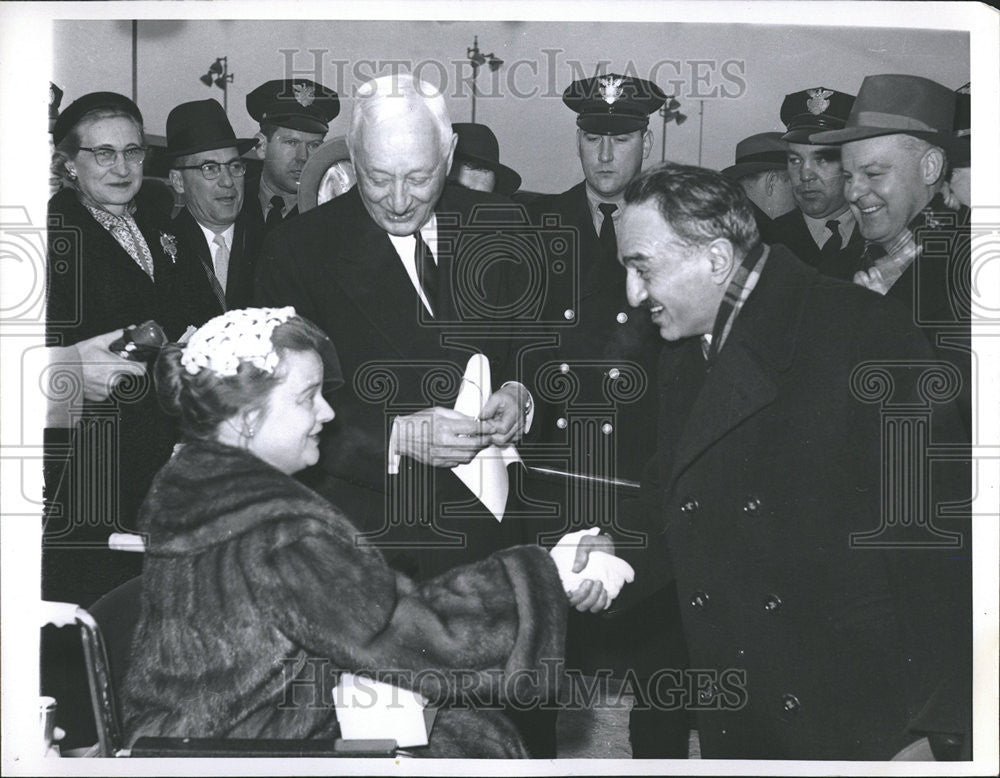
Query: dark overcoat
[98,473]
[255,598]
[340,270]
[820,605]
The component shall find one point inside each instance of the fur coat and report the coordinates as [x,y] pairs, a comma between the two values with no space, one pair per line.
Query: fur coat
[255,597]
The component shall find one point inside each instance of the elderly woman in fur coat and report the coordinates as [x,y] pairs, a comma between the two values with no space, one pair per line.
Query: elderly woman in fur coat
[256,597]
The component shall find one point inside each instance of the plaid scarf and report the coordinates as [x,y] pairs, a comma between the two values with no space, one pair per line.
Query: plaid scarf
[739,289]
[883,266]
[124,230]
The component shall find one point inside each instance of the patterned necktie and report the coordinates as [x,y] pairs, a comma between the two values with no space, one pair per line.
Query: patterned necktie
[427,270]
[221,262]
[274,215]
[834,243]
[608,239]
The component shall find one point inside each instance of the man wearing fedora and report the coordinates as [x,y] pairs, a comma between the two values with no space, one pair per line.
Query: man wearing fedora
[917,249]
[207,172]
[761,169]
[609,353]
[476,163]
[820,230]
[294,116]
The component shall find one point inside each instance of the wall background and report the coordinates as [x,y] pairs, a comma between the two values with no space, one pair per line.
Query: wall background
[740,71]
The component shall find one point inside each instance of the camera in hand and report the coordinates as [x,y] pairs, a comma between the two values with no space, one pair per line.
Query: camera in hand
[141,342]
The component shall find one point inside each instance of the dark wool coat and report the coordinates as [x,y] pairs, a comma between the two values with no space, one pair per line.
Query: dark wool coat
[254,587]
[937,289]
[814,641]
[340,270]
[97,476]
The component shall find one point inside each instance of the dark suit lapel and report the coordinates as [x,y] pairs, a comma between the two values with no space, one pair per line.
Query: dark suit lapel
[239,282]
[194,240]
[761,344]
[374,276]
[736,387]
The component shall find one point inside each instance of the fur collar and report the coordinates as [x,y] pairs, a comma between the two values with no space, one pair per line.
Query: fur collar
[210,493]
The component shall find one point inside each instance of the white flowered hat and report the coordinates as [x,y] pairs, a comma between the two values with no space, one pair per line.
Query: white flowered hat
[244,335]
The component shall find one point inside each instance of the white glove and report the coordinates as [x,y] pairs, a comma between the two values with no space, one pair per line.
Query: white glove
[612,572]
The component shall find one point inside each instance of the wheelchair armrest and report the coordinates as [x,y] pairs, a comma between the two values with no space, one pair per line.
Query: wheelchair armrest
[240,747]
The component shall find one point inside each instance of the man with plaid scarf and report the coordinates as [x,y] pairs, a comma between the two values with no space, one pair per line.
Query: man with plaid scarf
[826,608]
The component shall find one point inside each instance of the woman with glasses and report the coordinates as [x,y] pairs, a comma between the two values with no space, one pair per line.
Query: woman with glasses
[110,265]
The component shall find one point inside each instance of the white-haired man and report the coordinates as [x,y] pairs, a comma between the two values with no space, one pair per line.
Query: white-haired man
[384,271]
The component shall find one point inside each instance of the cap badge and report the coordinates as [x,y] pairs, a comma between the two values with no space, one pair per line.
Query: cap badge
[611,89]
[819,100]
[305,95]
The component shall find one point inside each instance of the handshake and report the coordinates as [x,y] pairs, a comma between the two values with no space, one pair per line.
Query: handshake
[591,575]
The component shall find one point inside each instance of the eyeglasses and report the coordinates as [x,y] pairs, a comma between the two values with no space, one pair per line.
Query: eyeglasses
[212,170]
[106,156]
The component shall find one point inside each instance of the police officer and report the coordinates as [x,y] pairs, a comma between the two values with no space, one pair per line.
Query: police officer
[294,117]
[608,353]
[821,230]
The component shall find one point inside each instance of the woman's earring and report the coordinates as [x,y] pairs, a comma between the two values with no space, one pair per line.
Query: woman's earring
[71,174]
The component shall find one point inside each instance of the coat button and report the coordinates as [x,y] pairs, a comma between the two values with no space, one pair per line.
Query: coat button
[606,428]
[772,602]
[790,702]
[564,368]
[613,373]
[569,314]
[699,599]
[622,317]
[689,505]
[561,423]
[752,505]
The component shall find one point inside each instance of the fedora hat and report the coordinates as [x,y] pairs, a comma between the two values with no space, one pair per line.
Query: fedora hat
[760,152]
[319,163]
[202,125]
[477,144]
[891,104]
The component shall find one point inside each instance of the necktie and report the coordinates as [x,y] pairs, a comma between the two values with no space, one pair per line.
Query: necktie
[608,239]
[221,262]
[274,215]
[834,243]
[427,271]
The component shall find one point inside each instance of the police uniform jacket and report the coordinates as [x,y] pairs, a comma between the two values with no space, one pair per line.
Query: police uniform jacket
[242,256]
[768,463]
[251,206]
[340,270]
[791,231]
[604,426]
[606,348]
